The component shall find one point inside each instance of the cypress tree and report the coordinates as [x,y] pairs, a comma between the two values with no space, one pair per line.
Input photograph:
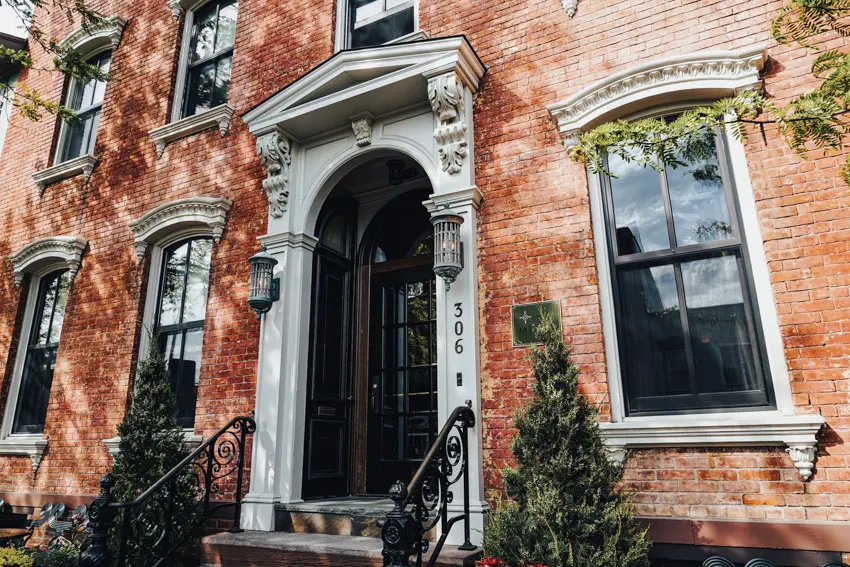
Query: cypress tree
[563,505]
[152,443]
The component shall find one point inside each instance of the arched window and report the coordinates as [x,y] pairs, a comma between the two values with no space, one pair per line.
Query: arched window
[179,325]
[40,357]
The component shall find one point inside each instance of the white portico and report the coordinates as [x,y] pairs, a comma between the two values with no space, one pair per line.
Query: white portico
[411,101]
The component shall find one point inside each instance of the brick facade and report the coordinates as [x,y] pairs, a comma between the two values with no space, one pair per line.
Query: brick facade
[535,236]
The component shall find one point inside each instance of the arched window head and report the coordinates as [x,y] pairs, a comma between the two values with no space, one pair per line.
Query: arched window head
[52,251]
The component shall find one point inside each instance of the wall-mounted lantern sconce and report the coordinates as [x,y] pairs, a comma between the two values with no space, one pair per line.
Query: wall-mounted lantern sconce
[448,249]
[265,290]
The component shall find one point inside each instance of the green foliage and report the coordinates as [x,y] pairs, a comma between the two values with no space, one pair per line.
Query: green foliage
[563,507]
[815,119]
[66,556]
[30,13]
[151,445]
[15,557]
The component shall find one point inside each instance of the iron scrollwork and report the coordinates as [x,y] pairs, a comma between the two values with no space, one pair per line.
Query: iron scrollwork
[154,526]
[424,503]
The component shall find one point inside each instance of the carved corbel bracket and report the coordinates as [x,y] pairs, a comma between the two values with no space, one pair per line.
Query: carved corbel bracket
[445,92]
[804,456]
[275,152]
[570,7]
[362,126]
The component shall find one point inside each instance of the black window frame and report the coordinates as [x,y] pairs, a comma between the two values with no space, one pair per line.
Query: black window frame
[674,256]
[51,347]
[214,57]
[162,332]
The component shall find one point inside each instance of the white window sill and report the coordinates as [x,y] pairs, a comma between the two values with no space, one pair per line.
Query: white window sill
[83,164]
[740,429]
[220,117]
[31,445]
[193,441]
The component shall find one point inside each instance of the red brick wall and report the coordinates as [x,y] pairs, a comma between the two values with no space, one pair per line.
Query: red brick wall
[535,233]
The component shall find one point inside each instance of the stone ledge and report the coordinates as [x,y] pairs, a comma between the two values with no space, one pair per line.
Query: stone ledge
[83,164]
[193,441]
[220,117]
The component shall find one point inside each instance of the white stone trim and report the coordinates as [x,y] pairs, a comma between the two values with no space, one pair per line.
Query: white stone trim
[362,126]
[570,7]
[218,117]
[63,250]
[193,441]
[83,164]
[274,149]
[706,74]
[92,39]
[33,446]
[210,212]
[341,39]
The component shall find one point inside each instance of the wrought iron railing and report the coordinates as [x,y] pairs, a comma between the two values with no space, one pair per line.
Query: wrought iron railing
[424,503]
[154,526]
[758,562]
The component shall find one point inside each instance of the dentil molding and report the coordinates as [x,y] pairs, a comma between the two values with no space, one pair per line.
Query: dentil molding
[445,92]
[92,38]
[703,74]
[217,117]
[83,164]
[153,225]
[362,126]
[275,151]
[64,250]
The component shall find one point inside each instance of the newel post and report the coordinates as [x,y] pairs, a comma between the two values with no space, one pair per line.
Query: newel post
[101,516]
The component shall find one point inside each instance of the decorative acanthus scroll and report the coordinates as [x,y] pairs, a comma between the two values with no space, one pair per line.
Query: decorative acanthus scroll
[275,153]
[446,95]
[362,126]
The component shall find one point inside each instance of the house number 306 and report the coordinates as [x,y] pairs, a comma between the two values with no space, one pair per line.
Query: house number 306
[458,328]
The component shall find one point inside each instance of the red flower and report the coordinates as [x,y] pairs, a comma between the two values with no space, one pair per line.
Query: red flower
[490,562]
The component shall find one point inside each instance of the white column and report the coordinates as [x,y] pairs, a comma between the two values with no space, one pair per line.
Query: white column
[276,464]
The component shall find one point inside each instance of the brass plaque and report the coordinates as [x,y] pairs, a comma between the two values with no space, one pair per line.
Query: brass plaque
[526,317]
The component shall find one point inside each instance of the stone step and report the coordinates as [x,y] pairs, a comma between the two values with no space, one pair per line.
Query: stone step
[282,549]
[349,516]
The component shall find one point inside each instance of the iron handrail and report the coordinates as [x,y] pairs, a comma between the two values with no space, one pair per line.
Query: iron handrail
[445,464]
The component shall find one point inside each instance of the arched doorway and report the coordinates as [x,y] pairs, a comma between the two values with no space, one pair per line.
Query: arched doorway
[371,412]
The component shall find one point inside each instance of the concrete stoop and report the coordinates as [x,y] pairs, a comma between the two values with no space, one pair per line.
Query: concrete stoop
[281,549]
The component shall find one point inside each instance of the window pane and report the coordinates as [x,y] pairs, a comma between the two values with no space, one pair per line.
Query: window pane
[641,222]
[384,29]
[221,87]
[100,86]
[35,390]
[720,338]
[186,387]
[204,33]
[226,32]
[368,10]
[59,311]
[700,211]
[200,87]
[73,143]
[656,362]
[197,283]
[172,285]
[47,296]
[91,121]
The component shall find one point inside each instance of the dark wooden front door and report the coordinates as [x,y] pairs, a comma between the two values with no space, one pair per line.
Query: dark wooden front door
[402,366]
[326,451]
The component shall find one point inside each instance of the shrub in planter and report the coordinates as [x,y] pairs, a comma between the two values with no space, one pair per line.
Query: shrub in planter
[563,505]
[15,557]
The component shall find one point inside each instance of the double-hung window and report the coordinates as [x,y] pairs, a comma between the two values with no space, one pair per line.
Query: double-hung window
[687,330]
[179,326]
[374,22]
[40,356]
[210,56]
[85,99]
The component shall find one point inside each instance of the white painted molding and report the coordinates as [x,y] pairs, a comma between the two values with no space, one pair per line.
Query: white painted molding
[210,212]
[65,250]
[29,445]
[703,74]
[741,429]
[362,126]
[83,164]
[570,7]
[275,152]
[445,92]
[278,243]
[92,39]
[220,116]
[193,441]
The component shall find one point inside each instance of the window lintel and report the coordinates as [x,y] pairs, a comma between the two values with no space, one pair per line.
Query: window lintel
[64,251]
[92,39]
